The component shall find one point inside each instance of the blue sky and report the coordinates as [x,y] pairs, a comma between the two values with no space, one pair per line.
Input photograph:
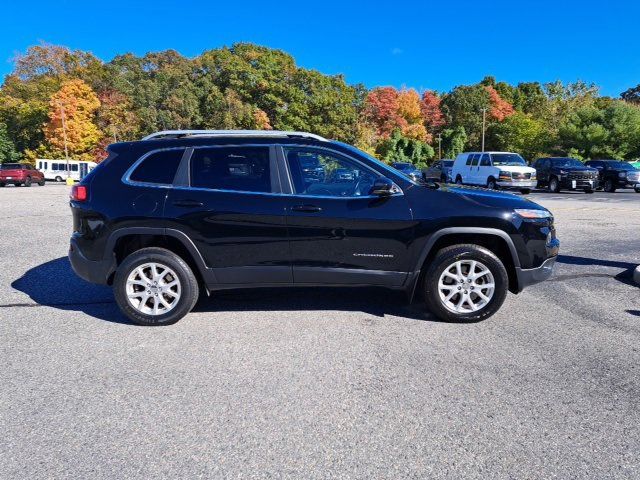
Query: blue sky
[435,45]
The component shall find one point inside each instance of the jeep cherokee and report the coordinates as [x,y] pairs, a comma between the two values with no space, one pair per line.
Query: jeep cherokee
[184,212]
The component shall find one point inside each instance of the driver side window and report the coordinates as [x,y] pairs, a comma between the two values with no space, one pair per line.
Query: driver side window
[327,174]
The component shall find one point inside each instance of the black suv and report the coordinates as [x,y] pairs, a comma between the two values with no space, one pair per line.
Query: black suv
[616,174]
[561,173]
[183,212]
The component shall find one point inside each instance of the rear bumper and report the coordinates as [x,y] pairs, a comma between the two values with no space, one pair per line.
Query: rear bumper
[90,270]
[531,276]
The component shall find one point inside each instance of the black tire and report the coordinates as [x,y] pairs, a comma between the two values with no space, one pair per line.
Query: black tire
[637,190]
[525,191]
[188,284]
[554,185]
[458,180]
[58,179]
[41,182]
[608,186]
[588,190]
[3,185]
[443,179]
[445,258]
[491,184]
[27,182]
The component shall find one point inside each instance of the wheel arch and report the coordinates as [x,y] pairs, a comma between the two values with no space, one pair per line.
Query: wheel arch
[125,241]
[497,241]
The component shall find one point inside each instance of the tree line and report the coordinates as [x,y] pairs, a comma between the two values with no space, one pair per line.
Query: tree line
[56,96]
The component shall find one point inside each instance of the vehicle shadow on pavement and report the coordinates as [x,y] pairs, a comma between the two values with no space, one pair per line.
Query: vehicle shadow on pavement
[625,276]
[54,284]
[378,302]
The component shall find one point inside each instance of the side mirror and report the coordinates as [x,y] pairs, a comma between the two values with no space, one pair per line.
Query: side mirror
[383,187]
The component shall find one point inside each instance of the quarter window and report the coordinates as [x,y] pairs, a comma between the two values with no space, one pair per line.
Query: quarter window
[470,158]
[158,168]
[327,174]
[241,169]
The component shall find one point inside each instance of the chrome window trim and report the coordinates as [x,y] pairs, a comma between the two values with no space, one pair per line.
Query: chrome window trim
[126,178]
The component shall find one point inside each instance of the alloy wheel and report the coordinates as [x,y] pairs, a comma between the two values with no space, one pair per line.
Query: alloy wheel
[466,286]
[153,289]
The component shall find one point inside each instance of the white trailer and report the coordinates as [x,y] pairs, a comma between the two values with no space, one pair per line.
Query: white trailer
[57,169]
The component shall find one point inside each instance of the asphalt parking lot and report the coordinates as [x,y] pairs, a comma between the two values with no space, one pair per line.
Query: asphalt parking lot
[320,383]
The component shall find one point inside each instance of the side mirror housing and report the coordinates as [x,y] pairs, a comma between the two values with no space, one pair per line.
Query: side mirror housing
[383,187]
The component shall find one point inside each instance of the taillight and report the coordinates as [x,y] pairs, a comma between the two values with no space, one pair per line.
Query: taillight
[79,193]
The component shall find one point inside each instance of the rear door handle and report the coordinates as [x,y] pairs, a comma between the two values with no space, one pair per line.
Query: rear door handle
[306,208]
[188,203]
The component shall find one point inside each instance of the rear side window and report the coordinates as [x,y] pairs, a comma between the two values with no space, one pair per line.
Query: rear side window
[159,167]
[469,159]
[474,162]
[240,169]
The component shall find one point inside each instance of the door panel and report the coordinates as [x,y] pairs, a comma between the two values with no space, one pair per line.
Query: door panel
[233,216]
[339,234]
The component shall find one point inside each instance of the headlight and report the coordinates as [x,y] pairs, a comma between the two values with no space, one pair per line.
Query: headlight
[531,213]
[563,172]
[533,176]
[622,174]
[505,176]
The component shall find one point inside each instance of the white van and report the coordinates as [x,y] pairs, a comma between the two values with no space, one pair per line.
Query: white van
[57,169]
[494,170]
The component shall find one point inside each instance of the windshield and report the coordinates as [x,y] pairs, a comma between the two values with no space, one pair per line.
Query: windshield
[621,165]
[407,167]
[508,159]
[567,162]
[10,166]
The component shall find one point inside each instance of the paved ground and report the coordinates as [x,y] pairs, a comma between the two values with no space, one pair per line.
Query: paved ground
[320,383]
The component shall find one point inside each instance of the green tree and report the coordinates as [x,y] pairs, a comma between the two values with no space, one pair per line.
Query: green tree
[463,108]
[519,133]
[7,148]
[612,132]
[453,141]
[632,95]
[398,148]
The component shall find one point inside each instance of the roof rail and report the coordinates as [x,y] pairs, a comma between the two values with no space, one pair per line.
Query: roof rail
[230,133]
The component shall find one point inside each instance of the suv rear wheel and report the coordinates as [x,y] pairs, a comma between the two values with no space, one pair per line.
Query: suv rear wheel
[154,286]
[554,185]
[465,283]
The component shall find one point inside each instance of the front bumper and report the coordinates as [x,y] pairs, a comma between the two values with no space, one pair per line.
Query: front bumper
[574,184]
[624,183]
[531,276]
[518,184]
[90,270]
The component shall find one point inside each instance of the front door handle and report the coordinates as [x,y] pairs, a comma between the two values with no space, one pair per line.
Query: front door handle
[306,208]
[188,203]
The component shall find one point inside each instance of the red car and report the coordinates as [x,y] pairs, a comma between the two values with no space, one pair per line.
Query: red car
[20,174]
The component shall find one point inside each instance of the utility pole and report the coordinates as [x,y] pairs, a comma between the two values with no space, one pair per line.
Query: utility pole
[484,121]
[64,135]
[439,147]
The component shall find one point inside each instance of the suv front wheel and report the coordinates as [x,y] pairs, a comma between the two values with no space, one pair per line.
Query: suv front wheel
[154,286]
[465,283]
